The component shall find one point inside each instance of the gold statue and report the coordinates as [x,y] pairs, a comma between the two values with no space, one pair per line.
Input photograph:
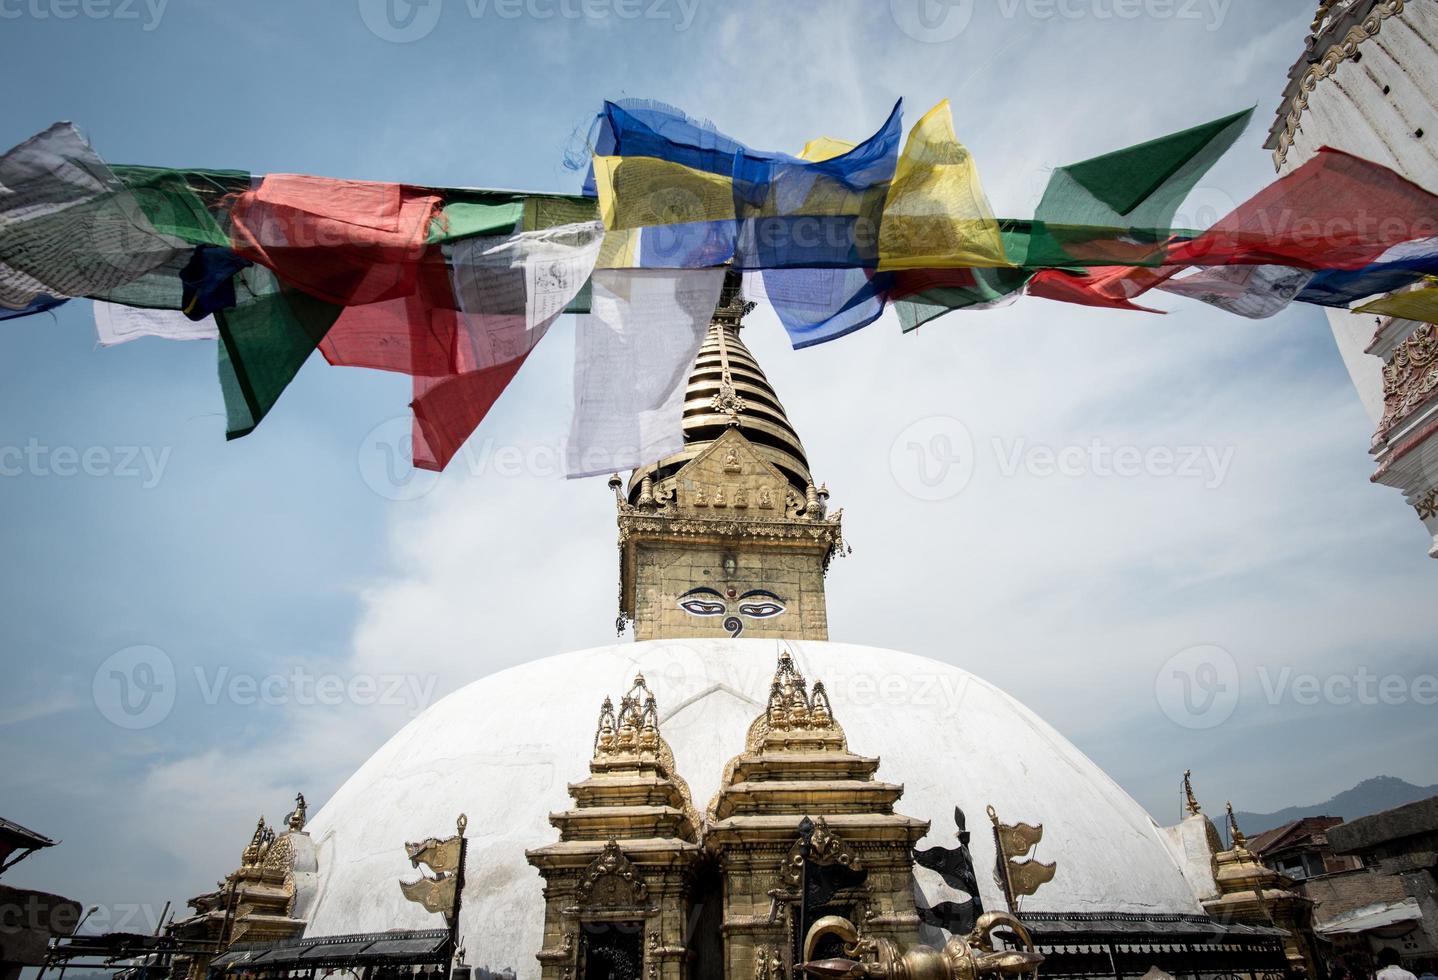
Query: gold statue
[969,957]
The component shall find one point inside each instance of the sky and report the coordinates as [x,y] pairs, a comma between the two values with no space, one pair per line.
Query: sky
[1088,508]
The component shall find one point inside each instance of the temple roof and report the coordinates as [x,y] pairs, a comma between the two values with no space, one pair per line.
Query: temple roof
[728,388]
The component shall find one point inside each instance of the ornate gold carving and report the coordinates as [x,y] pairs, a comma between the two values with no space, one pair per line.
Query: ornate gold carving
[1410,377]
[634,729]
[766,498]
[968,957]
[1193,808]
[259,846]
[611,881]
[1427,505]
[768,963]
[1013,841]
[1327,65]
[825,848]
[791,705]
[445,858]
[731,461]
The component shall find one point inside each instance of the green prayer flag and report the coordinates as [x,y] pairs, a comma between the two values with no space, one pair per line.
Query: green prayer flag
[264,341]
[1119,208]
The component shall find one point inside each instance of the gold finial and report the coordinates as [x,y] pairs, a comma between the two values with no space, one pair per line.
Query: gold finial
[295,819]
[634,727]
[1238,841]
[1193,808]
[258,846]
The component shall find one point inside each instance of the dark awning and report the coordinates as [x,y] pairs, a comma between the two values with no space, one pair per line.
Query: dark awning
[1078,927]
[411,946]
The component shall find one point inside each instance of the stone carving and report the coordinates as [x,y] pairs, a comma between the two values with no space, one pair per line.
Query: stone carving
[1410,377]
[1326,65]
[611,881]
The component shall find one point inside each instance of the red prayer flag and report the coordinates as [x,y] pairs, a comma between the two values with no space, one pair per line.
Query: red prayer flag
[348,242]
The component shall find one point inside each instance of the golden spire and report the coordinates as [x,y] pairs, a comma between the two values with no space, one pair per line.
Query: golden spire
[1193,808]
[728,389]
[1238,841]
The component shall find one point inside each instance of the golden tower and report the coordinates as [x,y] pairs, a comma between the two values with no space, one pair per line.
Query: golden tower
[729,536]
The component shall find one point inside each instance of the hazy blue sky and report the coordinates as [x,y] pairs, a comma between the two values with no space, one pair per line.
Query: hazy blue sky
[285,551]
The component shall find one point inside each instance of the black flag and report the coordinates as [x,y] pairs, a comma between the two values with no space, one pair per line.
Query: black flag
[956,866]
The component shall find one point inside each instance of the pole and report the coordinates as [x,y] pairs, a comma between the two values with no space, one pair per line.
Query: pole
[460,824]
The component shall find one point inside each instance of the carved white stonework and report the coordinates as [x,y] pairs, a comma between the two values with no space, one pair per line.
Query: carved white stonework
[1367,83]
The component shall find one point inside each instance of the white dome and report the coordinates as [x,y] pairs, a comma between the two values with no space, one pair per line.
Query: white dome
[504,749]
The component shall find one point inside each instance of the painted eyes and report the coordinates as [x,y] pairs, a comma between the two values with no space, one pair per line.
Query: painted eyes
[754,604]
[702,607]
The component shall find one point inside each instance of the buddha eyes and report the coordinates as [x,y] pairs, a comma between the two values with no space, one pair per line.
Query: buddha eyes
[702,607]
[754,604]
[703,602]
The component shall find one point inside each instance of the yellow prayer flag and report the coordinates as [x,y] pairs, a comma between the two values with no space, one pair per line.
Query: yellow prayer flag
[1416,304]
[825,148]
[639,192]
[936,215]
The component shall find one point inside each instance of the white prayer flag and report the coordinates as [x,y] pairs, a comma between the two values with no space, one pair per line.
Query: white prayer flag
[117,324]
[68,225]
[1253,291]
[510,288]
[632,357]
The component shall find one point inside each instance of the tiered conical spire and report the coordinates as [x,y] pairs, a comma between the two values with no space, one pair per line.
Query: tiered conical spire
[728,388]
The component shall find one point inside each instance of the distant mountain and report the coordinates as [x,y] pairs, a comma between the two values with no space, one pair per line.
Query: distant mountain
[1369,796]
